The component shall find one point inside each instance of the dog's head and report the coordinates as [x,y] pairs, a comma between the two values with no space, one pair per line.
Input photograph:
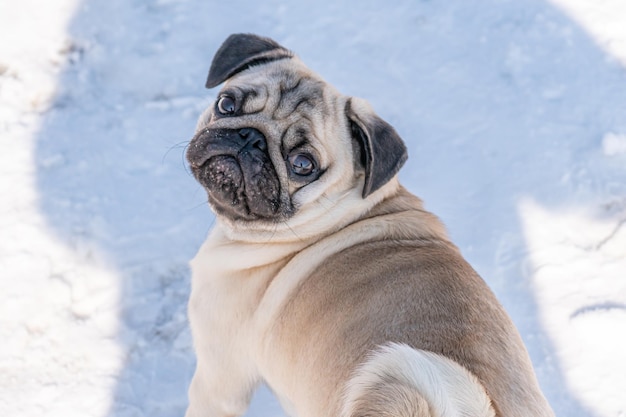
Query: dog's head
[279,143]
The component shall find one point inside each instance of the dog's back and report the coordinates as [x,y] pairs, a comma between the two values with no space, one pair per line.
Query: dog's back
[453,351]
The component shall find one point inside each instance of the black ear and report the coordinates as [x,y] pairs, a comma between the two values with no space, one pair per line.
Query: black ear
[241,51]
[382,149]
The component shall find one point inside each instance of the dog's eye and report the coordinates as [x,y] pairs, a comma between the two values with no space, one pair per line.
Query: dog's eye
[226,105]
[301,164]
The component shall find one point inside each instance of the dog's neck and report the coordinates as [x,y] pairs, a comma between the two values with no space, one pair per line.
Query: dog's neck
[219,248]
[264,247]
[326,215]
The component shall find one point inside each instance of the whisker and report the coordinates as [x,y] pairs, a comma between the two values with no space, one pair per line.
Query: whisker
[269,239]
[326,207]
[197,206]
[180,145]
[293,231]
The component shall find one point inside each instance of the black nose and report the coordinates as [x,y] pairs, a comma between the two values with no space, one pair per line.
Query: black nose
[253,139]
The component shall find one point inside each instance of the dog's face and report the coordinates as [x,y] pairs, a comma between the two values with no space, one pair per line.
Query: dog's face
[279,143]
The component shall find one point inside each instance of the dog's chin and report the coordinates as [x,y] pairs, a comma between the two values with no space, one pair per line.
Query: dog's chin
[242,187]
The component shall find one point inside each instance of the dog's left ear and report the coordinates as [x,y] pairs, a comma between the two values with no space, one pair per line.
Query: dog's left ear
[382,150]
[241,51]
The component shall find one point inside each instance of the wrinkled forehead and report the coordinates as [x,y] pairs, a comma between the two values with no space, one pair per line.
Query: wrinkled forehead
[281,88]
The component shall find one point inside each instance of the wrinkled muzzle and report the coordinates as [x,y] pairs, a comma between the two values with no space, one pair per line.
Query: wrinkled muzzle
[234,167]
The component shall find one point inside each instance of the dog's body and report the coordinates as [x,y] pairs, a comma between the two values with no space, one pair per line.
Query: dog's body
[323,277]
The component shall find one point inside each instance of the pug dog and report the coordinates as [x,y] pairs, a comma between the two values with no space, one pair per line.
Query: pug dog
[322,276]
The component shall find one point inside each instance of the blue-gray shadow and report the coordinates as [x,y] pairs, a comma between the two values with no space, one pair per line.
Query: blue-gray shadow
[470,85]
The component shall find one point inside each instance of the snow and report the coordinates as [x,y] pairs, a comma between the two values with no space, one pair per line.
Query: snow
[514,114]
[614,144]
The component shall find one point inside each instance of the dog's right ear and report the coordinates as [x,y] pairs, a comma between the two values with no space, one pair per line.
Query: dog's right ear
[241,51]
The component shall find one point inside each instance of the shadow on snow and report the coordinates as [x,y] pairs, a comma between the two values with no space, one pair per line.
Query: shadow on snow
[488,97]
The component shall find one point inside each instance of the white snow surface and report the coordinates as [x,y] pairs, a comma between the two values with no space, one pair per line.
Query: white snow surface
[514,114]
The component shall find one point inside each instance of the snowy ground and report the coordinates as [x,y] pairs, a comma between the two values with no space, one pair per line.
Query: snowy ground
[514,114]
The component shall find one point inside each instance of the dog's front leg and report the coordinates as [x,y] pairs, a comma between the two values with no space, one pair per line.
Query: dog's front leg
[225,375]
[220,390]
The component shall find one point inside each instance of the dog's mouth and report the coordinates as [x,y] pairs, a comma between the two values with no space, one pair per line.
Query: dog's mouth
[235,168]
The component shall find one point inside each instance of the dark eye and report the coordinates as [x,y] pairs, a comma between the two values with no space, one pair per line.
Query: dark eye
[301,164]
[226,105]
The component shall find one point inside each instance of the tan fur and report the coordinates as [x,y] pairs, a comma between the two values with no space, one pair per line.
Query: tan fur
[303,304]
